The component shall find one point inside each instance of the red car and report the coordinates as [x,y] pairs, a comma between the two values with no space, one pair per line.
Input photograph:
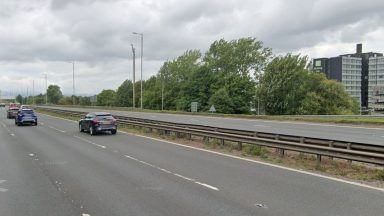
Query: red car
[12,112]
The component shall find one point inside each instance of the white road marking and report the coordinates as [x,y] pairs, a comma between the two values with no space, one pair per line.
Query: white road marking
[263,163]
[12,134]
[256,125]
[175,174]
[31,155]
[253,161]
[3,124]
[86,214]
[3,189]
[207,185]
[41,123]
[56,129]
[90,142]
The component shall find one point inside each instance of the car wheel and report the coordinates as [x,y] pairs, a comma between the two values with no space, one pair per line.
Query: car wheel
[113,131]
[35,124]
[91,131]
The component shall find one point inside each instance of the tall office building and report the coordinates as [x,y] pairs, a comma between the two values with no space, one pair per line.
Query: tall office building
[376,82]
[350,69]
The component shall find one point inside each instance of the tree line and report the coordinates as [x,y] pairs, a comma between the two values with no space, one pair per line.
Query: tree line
[237,77]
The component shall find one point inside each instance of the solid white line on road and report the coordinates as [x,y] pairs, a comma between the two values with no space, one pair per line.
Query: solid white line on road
[85,214]
[56,129]
[261,125]
[12,134]
[90,142]
[263,163]
[175,174]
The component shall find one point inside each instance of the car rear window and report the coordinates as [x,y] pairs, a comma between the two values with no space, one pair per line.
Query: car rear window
[105,117]
[27,111]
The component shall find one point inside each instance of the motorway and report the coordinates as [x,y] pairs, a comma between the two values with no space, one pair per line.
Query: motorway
[349,133]
[52,169]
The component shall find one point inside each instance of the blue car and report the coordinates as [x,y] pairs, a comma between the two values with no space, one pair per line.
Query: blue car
[26,116]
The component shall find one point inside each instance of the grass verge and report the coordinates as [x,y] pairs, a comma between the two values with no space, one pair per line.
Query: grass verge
[337,119]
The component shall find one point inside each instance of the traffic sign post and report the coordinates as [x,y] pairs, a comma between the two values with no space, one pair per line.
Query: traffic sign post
[194,107]
[212,109]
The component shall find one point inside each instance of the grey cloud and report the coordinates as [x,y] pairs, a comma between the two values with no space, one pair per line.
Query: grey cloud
[98,33]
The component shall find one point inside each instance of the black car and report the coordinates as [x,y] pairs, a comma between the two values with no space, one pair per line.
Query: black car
[12,112]
[97,122]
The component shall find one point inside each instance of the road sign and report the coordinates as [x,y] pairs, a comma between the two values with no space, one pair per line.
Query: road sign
[212,109]
[93,99]
[194,107]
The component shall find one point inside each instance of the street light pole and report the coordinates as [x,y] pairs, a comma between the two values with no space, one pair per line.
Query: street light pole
[73,79]
[46,90]
[162,92]
[141,68]
[134,69]
[33,91]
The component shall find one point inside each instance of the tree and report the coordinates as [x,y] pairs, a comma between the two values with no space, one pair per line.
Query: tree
[222,102]
[124,94]
[233,63]
[65,101]
[287,87]
[106,98]
[282,84]
[19,99]
[54,94]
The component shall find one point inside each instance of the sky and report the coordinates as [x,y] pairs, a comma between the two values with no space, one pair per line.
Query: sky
[40,37]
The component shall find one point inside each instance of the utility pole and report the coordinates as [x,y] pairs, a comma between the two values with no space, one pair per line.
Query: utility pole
[46,90]
[162,92]
[141,68]
[33,91]
[73,79]
[134,71]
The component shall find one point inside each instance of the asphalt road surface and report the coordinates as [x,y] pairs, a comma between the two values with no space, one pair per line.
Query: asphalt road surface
[369,135]
[52,169]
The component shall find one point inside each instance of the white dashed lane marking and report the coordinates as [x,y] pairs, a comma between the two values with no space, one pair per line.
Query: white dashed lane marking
[56,129]
[90,142]
[175,174]
[3,189]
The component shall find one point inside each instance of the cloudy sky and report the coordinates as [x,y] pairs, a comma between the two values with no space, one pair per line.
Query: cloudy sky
[41,36]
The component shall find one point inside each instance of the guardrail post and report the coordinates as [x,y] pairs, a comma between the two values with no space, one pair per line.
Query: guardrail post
[221,142]
[318,160]
[239,146]
[256,134]
[349,148]
[331,146]
[280,151]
